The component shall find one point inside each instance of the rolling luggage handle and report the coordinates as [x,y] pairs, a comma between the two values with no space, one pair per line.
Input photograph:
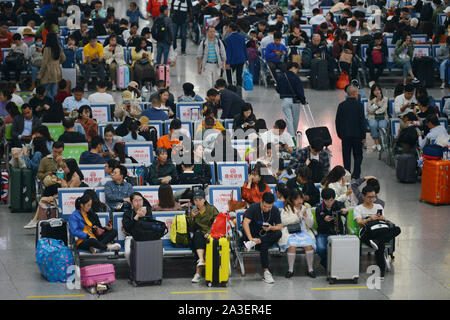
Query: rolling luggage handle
[308,123]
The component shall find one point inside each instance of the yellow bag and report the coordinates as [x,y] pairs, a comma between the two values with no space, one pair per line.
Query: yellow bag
[179,235]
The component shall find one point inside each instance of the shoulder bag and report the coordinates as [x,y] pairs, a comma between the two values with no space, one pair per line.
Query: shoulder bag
[295,99]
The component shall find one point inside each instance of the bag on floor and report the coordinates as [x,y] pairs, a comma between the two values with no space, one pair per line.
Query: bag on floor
[217,262]
[406,168]
[146,262]
[53,259]
[97,274]
[247,80]
[123,77]
[163,73]
[343,258]
[433,152]
[47,211]
[435,182]
[172,57]
[343,81]
[53,229]
[179,235]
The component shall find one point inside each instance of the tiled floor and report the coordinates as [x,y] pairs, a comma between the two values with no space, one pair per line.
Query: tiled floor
[421,269]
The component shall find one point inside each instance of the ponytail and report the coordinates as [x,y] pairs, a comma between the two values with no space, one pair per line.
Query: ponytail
[85,198]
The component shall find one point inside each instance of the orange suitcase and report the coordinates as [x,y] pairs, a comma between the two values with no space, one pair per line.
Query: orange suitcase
[435,182]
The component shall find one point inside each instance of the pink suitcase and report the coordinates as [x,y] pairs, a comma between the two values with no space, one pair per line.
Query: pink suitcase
[123,77]
[97,273]
[163,73]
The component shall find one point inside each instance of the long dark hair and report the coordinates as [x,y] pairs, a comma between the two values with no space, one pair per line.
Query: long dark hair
[165,196]
[82,108]
[146,203]
[293,194]
[133,128]
[52,43]
[12,109]
[138,42]
[43,130]
[335,174]
[119,148]
[97,205]
[257,169]
[73,167]
[85,198]
[40,144]
[372,95]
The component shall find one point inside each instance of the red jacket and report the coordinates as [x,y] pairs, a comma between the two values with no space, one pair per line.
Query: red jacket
[253,195]
[153,7]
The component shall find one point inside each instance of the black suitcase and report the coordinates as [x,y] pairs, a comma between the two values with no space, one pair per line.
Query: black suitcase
[319,74]
[423,69]
[146,262]
[54,229]
[406,168]
[322,132]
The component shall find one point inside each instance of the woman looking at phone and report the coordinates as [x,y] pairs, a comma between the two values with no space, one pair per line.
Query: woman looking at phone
[246,119]
[200,220]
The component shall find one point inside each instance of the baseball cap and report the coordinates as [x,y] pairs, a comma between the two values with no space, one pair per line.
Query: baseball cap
[133,84]
[126,97]
[199,194]
[27,31]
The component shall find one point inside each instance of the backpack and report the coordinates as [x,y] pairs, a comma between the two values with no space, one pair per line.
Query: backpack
[159,30]
[179,235]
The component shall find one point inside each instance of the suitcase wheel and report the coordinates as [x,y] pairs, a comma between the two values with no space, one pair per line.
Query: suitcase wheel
[332,280]
[355,281]
[159,282]
[209,284]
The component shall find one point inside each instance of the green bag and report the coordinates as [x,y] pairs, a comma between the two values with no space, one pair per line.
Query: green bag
[21,190]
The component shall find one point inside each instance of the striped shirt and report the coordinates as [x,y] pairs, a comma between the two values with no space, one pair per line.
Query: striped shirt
[212,56]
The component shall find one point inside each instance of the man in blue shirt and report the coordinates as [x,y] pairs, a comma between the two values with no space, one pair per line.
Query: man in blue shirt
[23,125]
[236,54]
[118,190]
[276,53]
[154,112]
[134,13]
[94,155]
[75,101]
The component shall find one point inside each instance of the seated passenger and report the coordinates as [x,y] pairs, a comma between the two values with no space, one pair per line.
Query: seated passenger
[128,107]
[314,157]
[201,168]
[94,154]
[295,213]
[302,181]
[169,140]
[50,164]
[280,139]
[326,214]
[405,102]
[200,222]
[189,94]
[282,193]
[89,124]
[166,201]
[110,165]
[23,125]
[31,162]
[422,111]
[210,113]
[253,190]
[336,180]
[161,170]
[85,225]
[118,190]
[377,114]
[188,175]
[75,101]
[369,211]
[276,53]
[133,132]
[110,141]
[246,119]
[370,181]
[70,135]
[120,155]
[93,59]
[101,97]
[154,112]
[262,228]
[436,132]
[72,178]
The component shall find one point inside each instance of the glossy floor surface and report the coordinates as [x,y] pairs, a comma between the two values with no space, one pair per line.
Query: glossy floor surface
[421,269]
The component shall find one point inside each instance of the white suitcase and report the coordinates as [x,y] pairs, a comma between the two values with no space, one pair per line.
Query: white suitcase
[343,258]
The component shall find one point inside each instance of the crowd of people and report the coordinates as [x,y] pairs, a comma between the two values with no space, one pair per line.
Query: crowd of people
[236,34]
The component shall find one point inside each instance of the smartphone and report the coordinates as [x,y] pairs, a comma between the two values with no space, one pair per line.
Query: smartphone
[379,212]
[265,224]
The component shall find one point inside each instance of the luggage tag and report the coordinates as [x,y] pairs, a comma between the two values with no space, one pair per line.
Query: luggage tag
[54,223]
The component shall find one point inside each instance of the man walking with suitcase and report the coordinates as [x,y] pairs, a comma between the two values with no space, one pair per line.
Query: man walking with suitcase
[351,129]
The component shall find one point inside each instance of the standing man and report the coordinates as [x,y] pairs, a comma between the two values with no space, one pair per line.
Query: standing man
[351,129]
[236,54]
[163,34]
[291,91]
[211,56]
[179,11]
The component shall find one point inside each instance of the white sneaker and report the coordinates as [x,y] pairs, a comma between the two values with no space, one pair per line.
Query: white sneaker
[378,147]
[268,277]
[196,278]
[442,86]
[31,225]
[93,250]
[249,245]
[373,244]
[374,147]
[114,247]
[200,263]
[415,80]
[18,88]
[114,88]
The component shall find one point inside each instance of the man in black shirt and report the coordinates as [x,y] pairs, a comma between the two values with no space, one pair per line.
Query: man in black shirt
[262,227]
[303,182]
[70,135]
[188,176]
[326,214]
[40,102]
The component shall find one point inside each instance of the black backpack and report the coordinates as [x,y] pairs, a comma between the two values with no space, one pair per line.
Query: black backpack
[159,29]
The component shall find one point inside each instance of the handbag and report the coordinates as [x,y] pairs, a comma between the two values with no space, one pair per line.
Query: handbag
[294,98]
[294,228]
[346,57]
[379,116]
[377,57]
[151,229]
[15,59]
[343,81]
[234,205]
[143,61]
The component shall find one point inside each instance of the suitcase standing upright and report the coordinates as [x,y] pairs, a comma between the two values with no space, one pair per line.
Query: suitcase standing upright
[54,229]
[146,262]
[406,168]
[20,190]
[217,262]
[423,68]
[343,258]
[163,73]
[319,74]
[435,182]
[123,77]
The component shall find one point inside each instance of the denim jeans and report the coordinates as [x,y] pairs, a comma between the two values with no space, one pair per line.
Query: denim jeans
[34,73]
[442,69]
[406,66]
[291,112]
[321,243]
[183,30]
[375,125]
[162,48]
[52,89]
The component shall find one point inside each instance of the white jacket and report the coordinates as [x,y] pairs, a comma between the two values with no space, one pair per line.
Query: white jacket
[288,216]
[340,191]
[433,135]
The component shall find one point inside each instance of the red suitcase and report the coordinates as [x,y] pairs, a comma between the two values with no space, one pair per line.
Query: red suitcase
[435,182]
[163,73]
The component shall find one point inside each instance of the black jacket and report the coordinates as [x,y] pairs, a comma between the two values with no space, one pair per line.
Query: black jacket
[350,120]
[324,227]
[239,121]
[72,137]
[289,85]
[132,226]
[18,125]
[55,114]
[309,189]
[230,103]
[188,178]
[35,102]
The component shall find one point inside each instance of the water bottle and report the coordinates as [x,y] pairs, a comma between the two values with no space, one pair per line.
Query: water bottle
[60,173]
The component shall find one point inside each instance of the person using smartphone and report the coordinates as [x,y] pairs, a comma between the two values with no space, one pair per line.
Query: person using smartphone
[201,219]
[118,190]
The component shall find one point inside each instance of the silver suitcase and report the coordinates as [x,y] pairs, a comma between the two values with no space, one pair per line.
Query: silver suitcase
[146,262]
[343,258]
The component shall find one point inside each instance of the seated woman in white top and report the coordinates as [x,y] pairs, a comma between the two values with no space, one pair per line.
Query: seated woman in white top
[336,180]
[295,213]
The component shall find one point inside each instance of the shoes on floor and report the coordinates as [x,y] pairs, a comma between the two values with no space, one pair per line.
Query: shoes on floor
[268,277]
[289,274]
[415,80]
[197,278]
[31,225]
[114,247]
[311,274]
